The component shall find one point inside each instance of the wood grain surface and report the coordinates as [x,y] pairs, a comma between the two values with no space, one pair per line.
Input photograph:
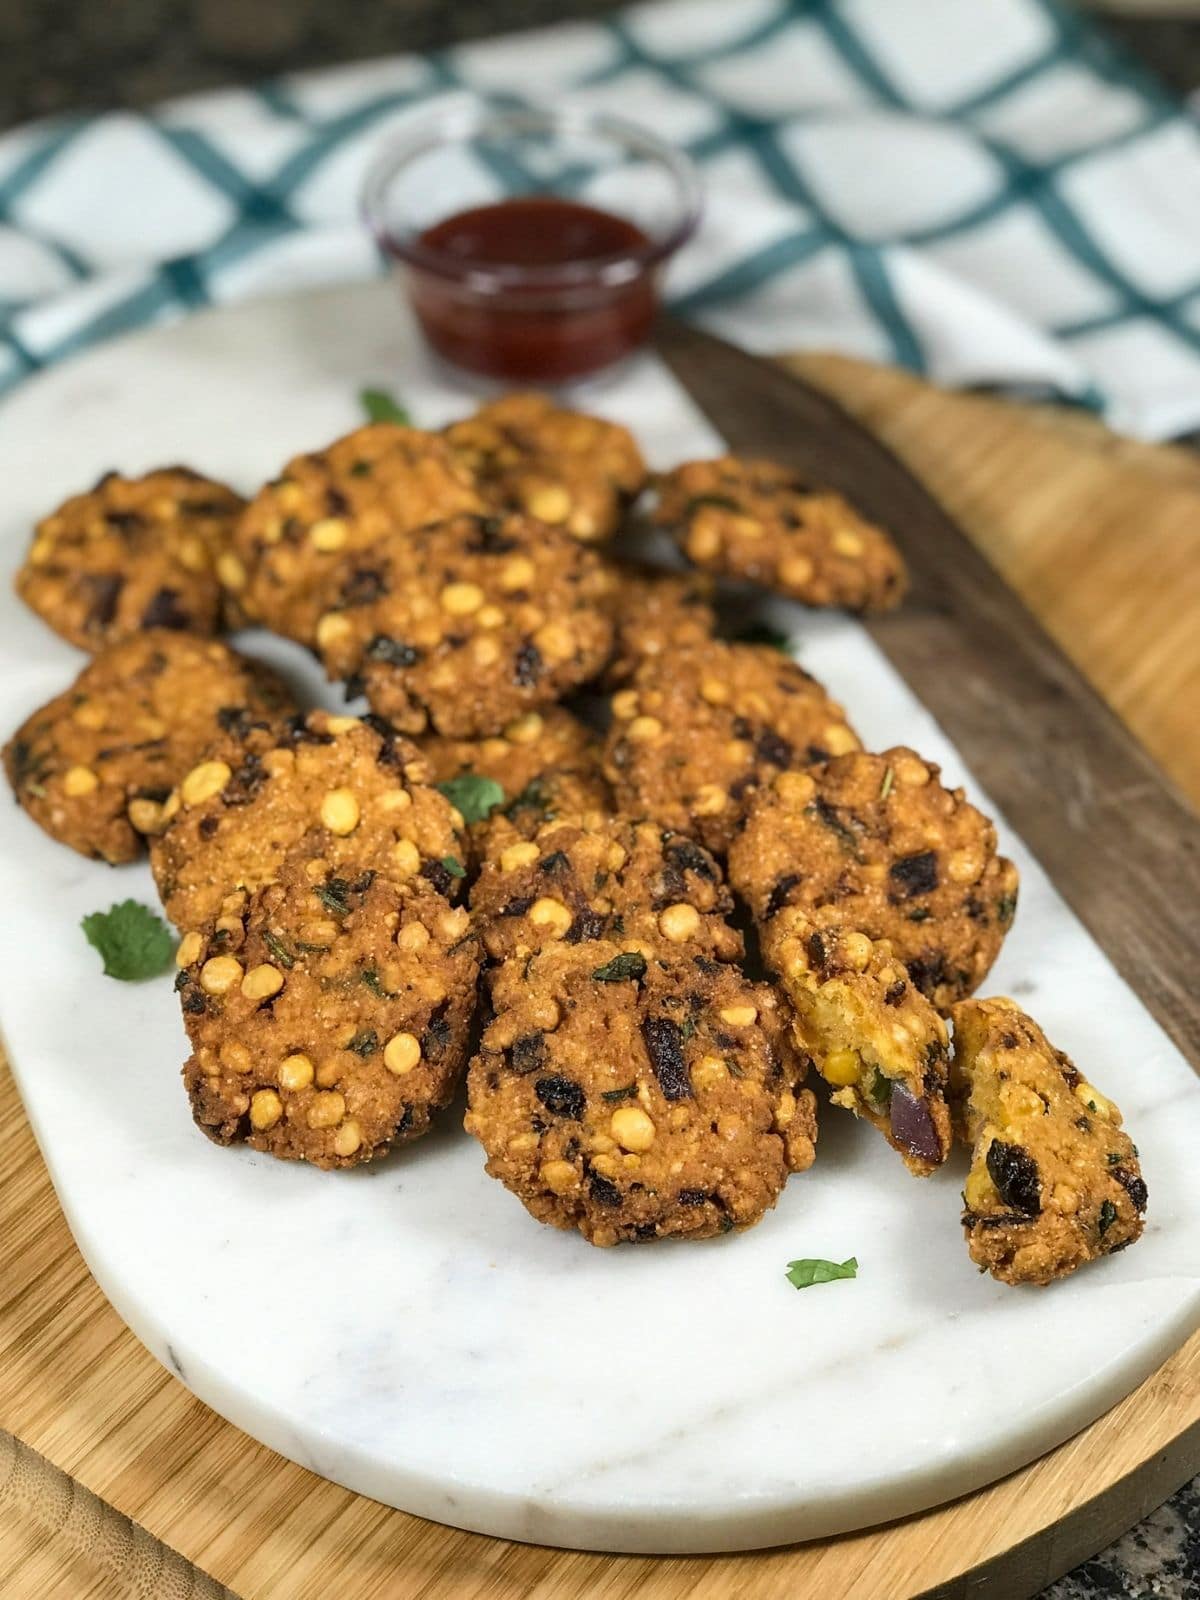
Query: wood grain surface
[123,1484]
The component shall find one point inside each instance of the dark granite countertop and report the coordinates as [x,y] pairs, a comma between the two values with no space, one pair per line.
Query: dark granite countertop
[1159,1557]
[68,55]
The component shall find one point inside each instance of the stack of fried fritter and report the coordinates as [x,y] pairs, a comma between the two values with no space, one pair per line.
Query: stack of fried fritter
[496,859]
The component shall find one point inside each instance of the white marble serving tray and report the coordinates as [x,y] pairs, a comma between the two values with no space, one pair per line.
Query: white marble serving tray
[408,1330]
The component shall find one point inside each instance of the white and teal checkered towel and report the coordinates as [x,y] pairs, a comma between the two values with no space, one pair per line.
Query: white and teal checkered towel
[983,190]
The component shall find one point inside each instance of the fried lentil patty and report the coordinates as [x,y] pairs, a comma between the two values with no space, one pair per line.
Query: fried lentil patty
[1054,1180]
[131,554]
[657,614]
[463,625]
[762,522]
[327,1037]
[700,730]
[356,789]
[568,469]
[870,1033]
[378,481]
[667,1104]
[878,845]
[95,765]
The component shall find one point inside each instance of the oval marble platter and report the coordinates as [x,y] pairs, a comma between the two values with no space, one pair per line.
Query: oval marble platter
[406,1329]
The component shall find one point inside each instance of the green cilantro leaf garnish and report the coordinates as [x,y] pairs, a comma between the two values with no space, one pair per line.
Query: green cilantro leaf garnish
[380,406]
[761,633]
[626,1093]
[133,942]
[804,1273]
[475,797]
[1108,1215]
[630,964]
[454,866]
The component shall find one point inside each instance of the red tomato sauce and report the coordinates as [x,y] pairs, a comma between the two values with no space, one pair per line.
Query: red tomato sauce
[546,326]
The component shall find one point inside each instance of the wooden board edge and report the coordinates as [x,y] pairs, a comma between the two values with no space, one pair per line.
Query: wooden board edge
[1024,1570]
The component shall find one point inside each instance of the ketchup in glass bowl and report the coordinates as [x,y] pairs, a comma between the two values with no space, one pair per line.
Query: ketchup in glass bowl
[531,239]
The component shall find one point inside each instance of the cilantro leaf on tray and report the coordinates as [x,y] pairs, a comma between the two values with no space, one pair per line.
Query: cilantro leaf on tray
[808,1271]
[133,942]
[475,797]
[380,406]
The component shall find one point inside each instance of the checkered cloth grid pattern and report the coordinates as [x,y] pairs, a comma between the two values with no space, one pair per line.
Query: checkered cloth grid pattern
[983,190]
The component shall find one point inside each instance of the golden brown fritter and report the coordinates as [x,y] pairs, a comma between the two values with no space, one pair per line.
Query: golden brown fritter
[466,624]
[565,468]
[762,522]
[327,1037]
[377,482]
[131,554]
[657,614]
[357,791]
[608,878]
[879,846]
[869,1032]
[664,1104]
[94,766]
[1054,1180]
[699,731]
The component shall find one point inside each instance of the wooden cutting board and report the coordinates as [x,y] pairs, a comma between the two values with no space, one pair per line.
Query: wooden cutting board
[114,1481]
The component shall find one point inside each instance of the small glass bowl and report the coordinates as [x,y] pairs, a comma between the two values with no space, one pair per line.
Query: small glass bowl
[545,321]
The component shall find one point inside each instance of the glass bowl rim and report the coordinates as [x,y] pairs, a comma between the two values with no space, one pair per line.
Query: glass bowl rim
[450,125]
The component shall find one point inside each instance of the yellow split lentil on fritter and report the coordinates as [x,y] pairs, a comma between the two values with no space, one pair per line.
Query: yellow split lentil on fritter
[878,845]
[95,766]
[604,879]
[131,554]
[573,471]
[762,522]
[353,790]
[466,624]
[657,614]
[1054,1180]
[697,732]
[377,482]
[666,1103]
[869,1032]
[329,1020]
